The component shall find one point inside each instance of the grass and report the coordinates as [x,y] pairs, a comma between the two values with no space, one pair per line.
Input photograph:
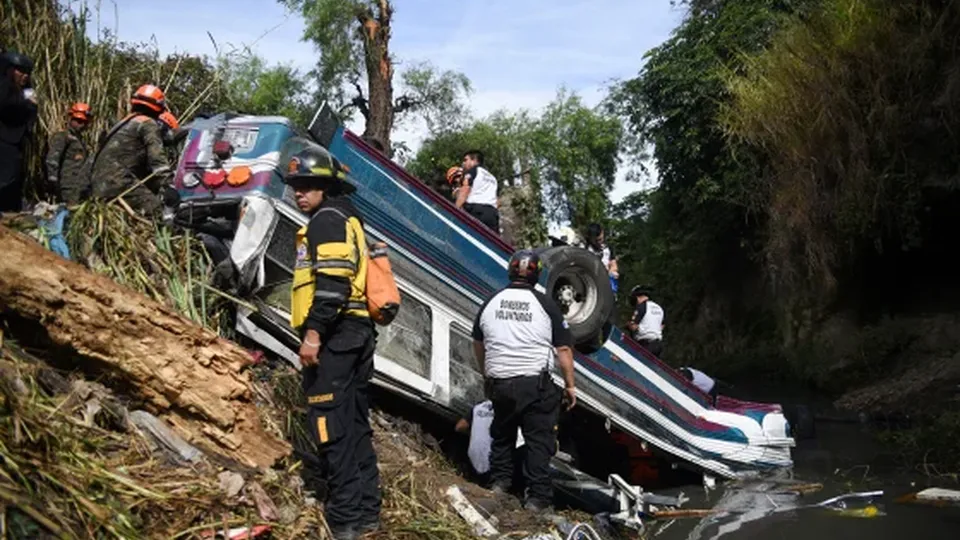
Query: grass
[168,266]
[72,479]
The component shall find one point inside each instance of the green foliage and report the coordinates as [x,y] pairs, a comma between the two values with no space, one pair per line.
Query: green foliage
[252,87]
[437,96]
[331,25]
[854,109]
[567,158]
[576,151]
[696,238]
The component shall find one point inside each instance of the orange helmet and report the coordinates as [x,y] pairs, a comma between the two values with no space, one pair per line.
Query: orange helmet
[149,96]
[453,174]
[169,119]
[81,112]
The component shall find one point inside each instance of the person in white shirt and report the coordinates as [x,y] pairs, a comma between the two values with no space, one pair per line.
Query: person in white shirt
[481,419]
[646,325]
[596,244]
[701,380]
[477,193]
[517,334]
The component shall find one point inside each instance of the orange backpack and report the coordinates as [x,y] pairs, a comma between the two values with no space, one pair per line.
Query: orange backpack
[383,297]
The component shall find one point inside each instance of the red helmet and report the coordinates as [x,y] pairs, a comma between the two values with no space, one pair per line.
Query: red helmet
[151,97]
[454,173]
[169,119]
[81,112]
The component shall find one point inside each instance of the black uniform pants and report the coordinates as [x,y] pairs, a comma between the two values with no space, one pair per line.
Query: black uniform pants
[339,417]
[655,346]
[533,405]
[11,178]
[486,214]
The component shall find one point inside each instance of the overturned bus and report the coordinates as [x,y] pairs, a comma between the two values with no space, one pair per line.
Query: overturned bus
[229,179]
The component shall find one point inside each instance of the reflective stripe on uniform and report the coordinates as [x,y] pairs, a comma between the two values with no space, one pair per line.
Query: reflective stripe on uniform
[328,294]
[335,263]
[334,259]
[322,429]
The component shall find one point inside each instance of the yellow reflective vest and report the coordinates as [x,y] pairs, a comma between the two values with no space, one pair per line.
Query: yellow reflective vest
[332,244]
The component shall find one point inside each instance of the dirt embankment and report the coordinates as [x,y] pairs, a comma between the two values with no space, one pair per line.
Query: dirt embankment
[906,365]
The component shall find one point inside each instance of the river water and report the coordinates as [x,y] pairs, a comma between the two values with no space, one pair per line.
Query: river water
[843,458]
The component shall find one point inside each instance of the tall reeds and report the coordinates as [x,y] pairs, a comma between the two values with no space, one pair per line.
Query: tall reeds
[78,59]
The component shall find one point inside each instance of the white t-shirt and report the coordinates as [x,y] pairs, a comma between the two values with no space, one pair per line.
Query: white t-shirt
[701,380]
[480,439]
[649,327]
[520,329]
[605,253]
[483,187]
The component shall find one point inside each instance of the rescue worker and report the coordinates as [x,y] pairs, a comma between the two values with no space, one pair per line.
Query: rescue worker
[477,193]
[132,156]
[596,244]
[478,427]
[67,156]
[517,334]
[646,325]
[18,112]
[170,129]
[329,311]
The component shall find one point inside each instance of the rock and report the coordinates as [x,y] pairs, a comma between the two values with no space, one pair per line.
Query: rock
[230,483]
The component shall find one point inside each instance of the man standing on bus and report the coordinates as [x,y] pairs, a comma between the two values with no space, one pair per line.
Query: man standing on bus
[477,194]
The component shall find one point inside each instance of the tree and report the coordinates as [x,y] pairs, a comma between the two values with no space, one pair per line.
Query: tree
[576,149]
[353,39]
[504,139]
[557,167]
[700,238]
[252,87]
[851,106]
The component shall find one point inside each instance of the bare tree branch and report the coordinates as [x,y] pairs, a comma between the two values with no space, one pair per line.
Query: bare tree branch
[405,103]
[359,101]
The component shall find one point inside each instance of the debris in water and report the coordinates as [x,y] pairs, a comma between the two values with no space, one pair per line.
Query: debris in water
[868,511]
[683,513]
[932,496]
[802,489]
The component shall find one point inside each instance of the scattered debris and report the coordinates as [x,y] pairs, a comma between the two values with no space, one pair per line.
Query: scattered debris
[238,533]
[230,483]
[480,526]
[164,438]
[265,507]
[802,489]
[682,513]
[63,477]
[932,496]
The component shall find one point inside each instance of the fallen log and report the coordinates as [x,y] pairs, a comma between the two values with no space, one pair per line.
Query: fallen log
[185,374]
